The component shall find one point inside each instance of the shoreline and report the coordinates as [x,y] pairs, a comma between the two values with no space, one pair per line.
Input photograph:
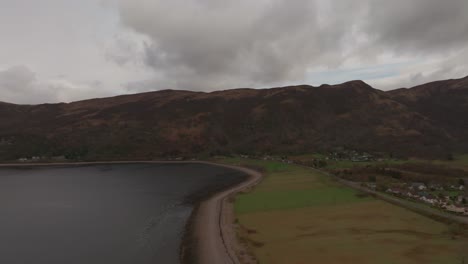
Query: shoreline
[209,236]
[84,163]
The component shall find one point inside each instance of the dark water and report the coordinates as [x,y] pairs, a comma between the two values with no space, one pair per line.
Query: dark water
[107,214]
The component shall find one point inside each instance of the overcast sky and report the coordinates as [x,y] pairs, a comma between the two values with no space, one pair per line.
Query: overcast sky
[67,50]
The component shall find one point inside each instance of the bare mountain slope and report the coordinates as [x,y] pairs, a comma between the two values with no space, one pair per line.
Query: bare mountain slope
[427,120]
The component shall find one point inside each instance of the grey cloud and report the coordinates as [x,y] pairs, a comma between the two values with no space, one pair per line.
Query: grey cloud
[452,67]
[17,84]
[16,79]
[418,26]
[139,45]
[449,66]
[20,85]
[125,49]
[207,45]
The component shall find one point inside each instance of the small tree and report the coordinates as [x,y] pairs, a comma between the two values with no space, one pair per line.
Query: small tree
[382,188]
[450,157]
[461,182]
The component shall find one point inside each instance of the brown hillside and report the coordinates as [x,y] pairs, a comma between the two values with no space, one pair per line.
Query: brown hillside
[427,120]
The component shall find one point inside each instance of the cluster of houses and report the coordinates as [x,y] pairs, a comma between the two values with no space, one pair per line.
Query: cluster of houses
[351,155]
[278,159]
[43,158]
[6,141]
[32,159]
[457,204]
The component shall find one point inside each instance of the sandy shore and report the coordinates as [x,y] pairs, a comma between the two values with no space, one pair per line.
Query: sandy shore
[213,221]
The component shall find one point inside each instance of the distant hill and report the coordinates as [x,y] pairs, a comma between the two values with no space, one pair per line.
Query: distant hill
[430,120]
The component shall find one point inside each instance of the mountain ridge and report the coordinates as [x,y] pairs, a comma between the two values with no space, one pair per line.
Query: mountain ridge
[284,120]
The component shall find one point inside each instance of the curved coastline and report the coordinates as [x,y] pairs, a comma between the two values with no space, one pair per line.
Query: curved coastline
[210,228]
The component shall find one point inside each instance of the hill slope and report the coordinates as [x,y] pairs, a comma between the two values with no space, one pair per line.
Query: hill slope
[427,120]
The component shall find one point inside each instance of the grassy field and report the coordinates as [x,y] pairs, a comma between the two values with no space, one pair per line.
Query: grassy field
[343,164]
[460,162]
[297,215]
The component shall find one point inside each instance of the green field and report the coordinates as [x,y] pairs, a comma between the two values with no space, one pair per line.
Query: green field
[282,200]
[460,162]
[298,215]
[343,164]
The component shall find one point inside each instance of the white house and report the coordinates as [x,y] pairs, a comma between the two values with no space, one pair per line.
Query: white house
[455,209]
[418,186]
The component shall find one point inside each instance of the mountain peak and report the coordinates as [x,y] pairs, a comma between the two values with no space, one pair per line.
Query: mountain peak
[357,83]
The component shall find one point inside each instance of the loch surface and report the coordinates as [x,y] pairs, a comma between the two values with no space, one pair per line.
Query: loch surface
[102,214]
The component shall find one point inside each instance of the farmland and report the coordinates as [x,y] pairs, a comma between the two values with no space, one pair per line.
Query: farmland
[297,215]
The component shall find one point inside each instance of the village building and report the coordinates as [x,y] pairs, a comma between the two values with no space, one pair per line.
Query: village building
[418,186]
[456,209]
